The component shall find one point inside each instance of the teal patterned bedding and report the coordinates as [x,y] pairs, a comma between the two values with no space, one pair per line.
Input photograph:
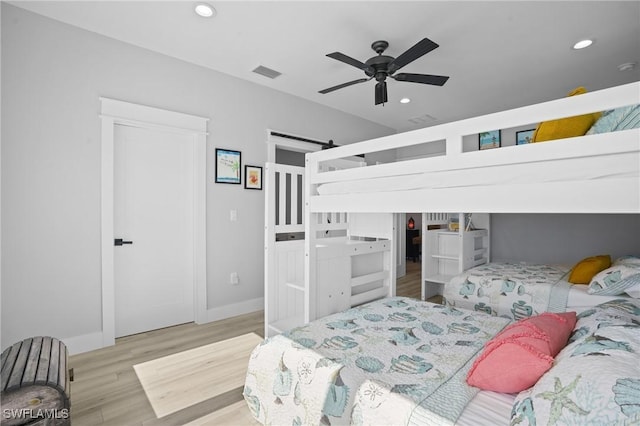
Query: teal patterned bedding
[511,290]
[393,361]
[595,379]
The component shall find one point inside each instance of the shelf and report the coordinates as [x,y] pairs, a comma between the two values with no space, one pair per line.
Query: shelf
[285,324]
[370,295]
[340,247]
[433,289]
[439,278]
[295,286]
[368,278]
[442,256]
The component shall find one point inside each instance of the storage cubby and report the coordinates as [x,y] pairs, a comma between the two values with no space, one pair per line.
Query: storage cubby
[447,253]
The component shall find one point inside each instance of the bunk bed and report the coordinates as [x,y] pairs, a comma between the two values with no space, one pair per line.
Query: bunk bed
[518,290]
[594,173]
[403,361]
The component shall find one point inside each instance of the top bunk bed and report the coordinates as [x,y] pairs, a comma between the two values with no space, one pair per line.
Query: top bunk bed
[591,173]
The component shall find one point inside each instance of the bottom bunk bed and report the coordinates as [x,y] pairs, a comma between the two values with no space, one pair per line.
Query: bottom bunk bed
[518,290]
[403,361]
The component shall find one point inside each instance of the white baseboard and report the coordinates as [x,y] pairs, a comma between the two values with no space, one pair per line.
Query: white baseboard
[92,341]
[235,309]
[85,343]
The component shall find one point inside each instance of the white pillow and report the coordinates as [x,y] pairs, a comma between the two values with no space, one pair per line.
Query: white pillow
[622,277]
[632,261]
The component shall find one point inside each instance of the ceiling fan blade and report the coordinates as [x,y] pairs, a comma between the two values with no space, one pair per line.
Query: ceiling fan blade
[350,61]
[436,80]
[422,47]
[340,86]
[381,92]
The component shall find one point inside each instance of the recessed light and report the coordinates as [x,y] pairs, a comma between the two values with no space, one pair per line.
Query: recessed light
[582,44]
[205,10]
[405,100]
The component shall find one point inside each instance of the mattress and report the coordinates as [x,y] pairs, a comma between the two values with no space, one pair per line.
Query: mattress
[518,289]
[392,361]
[487,409]
[579,300]
[585,168]
[514,290]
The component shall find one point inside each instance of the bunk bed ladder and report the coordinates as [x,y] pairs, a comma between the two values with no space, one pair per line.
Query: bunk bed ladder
[284,247]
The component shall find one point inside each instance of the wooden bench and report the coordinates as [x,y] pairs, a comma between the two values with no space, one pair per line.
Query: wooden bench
[35,386]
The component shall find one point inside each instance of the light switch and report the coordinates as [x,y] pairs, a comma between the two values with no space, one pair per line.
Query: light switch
[233,215]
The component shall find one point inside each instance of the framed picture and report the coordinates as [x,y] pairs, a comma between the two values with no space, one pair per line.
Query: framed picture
[228,164]
[524,137]
[489,140]
[252,177]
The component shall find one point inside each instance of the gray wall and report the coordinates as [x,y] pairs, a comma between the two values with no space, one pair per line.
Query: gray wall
[563,238]
[52,76]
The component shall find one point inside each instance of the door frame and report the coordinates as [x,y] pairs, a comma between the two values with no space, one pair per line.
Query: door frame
[114,112]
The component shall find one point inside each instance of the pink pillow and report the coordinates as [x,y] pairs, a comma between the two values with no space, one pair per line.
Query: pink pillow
[518,356]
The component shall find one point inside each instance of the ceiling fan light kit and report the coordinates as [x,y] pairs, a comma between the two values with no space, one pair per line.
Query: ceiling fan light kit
[381,92]
[382,66]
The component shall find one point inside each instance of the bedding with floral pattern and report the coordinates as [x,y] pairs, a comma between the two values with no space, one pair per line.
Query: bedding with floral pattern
[393,361]
[511,290]
[595,379]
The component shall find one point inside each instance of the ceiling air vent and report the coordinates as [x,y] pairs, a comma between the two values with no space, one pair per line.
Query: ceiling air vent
[422,119]
[267,72]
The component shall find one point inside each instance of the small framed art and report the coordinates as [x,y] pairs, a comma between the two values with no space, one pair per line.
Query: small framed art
[228,164]
[488,140]
[252,177]
[524,137]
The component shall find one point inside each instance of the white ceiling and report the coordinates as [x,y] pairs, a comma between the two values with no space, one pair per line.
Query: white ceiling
[499,55]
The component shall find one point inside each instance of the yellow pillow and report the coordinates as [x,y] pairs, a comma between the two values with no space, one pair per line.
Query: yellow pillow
[566,127]
[587,268]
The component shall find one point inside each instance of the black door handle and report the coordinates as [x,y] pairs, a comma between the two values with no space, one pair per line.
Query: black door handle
[120,241]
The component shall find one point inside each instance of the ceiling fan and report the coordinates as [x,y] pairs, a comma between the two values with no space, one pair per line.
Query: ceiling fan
[382,66]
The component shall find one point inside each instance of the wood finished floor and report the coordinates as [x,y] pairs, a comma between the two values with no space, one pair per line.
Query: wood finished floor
[409,285]
[106,390]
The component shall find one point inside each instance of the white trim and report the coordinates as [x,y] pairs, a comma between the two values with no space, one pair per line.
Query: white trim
[171,129]
[114,112]
[150,115]
[85,343]
[235,309]
[274,142]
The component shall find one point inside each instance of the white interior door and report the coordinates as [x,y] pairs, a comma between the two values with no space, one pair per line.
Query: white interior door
[153,210]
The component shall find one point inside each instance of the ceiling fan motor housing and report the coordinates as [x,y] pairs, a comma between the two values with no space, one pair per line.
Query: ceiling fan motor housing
[380,65]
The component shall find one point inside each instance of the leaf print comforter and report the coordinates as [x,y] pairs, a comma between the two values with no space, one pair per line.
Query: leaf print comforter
[393,361]
[511,290]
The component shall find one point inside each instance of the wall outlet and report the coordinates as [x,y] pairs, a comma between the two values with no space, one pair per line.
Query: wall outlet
[233,278]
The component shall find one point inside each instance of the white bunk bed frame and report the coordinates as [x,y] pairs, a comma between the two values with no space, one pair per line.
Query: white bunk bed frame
[517,179]
[541,193]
